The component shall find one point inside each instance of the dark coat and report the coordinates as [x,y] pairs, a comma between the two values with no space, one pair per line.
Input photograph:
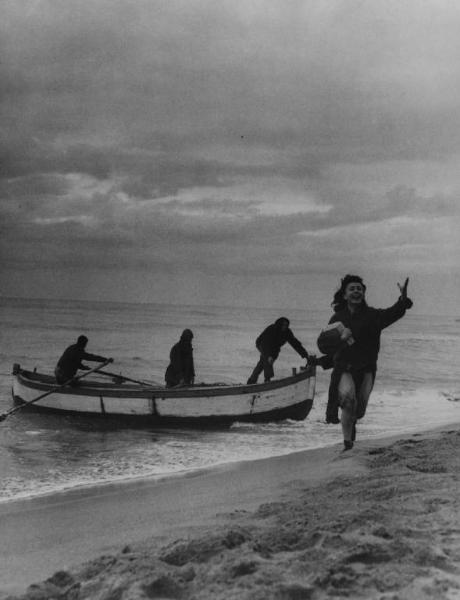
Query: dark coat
[273,337]
[366,325]
[70,361]
[181,367]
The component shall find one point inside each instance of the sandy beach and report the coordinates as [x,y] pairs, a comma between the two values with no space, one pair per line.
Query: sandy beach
[380,521]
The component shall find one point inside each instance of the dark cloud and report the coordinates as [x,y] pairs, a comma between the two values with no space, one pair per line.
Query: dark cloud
[132,130]
[141,174]
[404,200]
[154,233]
[33,186]
[27,157]
[283,78]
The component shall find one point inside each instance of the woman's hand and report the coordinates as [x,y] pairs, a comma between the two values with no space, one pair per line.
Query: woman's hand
[403,288]
[345,334]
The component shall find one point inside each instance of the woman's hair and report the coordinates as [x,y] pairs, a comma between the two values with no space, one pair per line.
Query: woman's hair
[338,301]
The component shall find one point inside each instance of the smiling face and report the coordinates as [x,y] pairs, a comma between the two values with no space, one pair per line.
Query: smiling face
[354,294]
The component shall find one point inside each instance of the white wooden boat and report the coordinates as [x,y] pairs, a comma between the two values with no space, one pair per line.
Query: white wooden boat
[288,398]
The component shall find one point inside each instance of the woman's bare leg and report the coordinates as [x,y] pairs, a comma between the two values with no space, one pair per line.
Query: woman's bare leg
[347,401]
[363,394]
[362,399]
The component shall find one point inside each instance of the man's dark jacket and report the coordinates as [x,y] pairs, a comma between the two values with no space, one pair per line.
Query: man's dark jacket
[70,361]
[273,337]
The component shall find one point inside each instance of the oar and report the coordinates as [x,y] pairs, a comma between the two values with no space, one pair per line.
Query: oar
[85,374]
[117,376]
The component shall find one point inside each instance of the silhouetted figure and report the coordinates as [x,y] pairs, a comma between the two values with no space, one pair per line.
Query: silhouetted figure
[269,345]
[70,361]
[181,370]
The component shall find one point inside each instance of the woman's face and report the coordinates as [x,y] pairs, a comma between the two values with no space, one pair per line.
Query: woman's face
[354,293]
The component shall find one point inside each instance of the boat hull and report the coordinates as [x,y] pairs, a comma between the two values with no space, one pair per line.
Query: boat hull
[289,398]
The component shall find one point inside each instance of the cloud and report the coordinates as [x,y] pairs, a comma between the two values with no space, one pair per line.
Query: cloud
[231,137]
[220,234]
[343,83]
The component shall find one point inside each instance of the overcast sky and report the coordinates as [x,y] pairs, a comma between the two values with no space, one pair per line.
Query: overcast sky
[233,152]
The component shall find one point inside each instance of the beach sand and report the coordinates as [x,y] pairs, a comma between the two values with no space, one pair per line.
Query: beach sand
[378,522]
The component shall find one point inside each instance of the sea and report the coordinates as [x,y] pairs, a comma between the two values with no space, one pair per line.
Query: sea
[417,387]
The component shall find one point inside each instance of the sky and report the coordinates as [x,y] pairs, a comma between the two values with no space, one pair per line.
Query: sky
[235,152]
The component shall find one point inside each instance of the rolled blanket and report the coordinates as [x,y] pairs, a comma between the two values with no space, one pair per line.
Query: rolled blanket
[331,339]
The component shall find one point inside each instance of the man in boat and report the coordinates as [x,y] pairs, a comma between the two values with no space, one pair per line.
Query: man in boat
[269,345]
[354,360]
[70,361]
[181,370]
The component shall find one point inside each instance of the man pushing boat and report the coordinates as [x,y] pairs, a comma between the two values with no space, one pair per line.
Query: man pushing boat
[269,345]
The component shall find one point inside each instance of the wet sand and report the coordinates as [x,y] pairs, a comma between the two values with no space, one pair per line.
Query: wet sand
[380,521]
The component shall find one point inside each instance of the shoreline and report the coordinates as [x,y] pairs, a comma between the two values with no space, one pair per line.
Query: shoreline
[137,518]
[30,523]
[159,477]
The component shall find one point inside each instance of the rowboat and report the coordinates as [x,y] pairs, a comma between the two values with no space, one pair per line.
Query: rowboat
[287,398]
